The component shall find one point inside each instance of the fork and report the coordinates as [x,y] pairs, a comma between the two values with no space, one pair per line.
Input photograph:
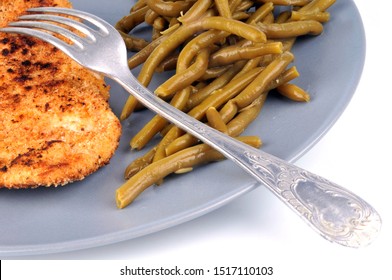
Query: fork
[336,213]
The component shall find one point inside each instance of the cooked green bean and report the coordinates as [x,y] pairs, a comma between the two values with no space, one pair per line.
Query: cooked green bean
[241,16]
[215,120]
[133,43]
[186,77]
[154,172]
[139,163]
[198,43]
[261,13]
[230,54]
[126,24]
[317,6]
[244,5]
[262,81]
[318,16]
[291,29]
[222,95]
[288,2]
[157,123]
[223,8]
[196,11]
[141,56]
[130,21]
[169,137]
[215,72]
[169,63]
[218,83]
[246,116]
[169,8]
[293,92]
[138,5]
[159,24]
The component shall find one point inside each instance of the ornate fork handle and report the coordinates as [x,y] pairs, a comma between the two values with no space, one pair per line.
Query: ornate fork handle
[336,213]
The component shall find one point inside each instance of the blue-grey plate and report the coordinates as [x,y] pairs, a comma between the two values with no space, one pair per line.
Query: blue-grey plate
[84,214]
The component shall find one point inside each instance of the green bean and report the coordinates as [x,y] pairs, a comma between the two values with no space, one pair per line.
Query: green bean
[141,56]
[138,5]
[230,54]
[158,25]
[261,82]
[223,8]
[130,21]
[293,92]
[126,24]
[157,123]
[317,6]
[169,137]
[186,77]
[283,17]
[139,163]
[291,29]
[318,16]
[196,11]
[215,120]
[234,5]
[228,111]
[285,77]
[203,93]
[154,172]
[222,95]
[246,116]
[169,63]
[250,64]
[213,73]
[261,13]
[180,143]
[288,2]
[169,8]
[150,17]
[198,43]
[241,16]
[133,43]
[244,5]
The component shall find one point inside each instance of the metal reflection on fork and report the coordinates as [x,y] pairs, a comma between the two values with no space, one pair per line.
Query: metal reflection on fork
[334,212]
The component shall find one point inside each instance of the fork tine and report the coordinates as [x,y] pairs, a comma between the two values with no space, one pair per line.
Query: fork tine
[77,40]
[45,36]
[102,26]
[63,20]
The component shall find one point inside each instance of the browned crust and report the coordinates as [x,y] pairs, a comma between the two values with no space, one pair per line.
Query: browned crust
[55,122]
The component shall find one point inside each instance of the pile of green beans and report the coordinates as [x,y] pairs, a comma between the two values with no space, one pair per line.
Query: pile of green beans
[227,55]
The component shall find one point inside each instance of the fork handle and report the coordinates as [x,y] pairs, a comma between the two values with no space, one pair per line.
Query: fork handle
[334,212]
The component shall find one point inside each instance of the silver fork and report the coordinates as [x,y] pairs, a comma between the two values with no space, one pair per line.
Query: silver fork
[334,212]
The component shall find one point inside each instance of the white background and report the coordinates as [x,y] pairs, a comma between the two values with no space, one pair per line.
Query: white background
[256,229]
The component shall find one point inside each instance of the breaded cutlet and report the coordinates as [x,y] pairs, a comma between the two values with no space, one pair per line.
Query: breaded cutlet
[56,125]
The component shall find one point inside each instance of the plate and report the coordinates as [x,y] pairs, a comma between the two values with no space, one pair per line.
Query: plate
[84,215]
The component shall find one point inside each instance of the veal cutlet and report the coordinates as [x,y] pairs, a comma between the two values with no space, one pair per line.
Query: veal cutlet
[56,125]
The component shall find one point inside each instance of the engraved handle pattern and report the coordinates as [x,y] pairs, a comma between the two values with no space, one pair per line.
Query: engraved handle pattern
[336,213]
